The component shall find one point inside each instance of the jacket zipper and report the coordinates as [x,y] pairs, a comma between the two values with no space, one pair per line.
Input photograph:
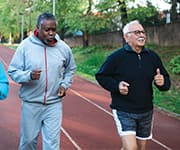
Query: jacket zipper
[46,75]
[139,62]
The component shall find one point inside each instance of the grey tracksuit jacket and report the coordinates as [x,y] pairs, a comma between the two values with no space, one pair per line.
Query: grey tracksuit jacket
[57,65]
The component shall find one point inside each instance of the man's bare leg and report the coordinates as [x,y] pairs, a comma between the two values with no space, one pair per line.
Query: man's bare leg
[129,142]
[141,144]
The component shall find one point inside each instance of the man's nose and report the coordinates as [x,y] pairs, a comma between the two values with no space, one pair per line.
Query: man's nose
[51,32]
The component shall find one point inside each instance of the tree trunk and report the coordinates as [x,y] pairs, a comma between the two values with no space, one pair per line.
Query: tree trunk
[123,11]
[173,11]
[85,39]
[62,32]
[11,39]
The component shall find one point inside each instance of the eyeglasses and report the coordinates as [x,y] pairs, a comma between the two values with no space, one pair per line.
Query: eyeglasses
[137,32]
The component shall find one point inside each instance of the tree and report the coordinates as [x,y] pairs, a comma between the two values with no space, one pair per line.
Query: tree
[116,10]
[175,9]
[11,18]
[91,17]
[86,19]
[86,15]
[8,22]
[63,9]
[146,15]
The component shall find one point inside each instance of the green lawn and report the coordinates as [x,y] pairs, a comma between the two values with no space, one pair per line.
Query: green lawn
[89,60]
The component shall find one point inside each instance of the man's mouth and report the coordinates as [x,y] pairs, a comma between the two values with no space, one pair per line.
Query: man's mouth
[141,39]
[50,39]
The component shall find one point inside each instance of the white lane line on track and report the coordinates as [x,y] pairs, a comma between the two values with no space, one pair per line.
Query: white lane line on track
[88,100]
[70,138]
[109,113]
[156,141]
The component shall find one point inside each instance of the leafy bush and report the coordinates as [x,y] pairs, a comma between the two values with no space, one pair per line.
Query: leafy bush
[175,64]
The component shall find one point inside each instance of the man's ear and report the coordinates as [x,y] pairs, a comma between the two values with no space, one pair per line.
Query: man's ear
[36,31]
[125,37]
[37,28]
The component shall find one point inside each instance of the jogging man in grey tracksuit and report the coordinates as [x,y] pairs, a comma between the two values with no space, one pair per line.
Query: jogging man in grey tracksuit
[44,66]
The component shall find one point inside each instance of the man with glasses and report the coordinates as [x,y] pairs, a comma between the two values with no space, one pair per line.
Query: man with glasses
[128,74]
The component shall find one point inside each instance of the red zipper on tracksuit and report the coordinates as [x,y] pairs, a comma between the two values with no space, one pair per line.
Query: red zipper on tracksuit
[46,75]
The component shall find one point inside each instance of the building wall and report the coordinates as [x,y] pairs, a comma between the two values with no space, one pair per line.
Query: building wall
[165,35]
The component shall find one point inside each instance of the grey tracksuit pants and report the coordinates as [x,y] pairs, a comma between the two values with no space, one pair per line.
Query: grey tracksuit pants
[36,118]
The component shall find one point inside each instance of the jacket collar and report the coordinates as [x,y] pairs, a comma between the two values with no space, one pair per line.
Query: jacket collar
[128,48]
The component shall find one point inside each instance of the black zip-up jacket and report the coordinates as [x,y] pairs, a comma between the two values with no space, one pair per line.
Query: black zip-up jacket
[138,69]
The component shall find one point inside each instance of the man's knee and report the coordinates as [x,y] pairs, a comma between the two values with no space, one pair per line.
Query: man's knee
[129,142]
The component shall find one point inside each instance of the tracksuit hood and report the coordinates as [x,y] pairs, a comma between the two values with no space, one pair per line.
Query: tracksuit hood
[35,39]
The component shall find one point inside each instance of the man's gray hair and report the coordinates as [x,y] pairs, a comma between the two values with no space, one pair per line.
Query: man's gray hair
[45,16]
[126,27]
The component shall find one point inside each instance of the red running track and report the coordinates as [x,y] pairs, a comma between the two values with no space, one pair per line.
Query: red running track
[87,119]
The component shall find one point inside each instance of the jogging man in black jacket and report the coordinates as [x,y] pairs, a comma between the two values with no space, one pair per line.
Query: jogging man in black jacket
[128,74]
